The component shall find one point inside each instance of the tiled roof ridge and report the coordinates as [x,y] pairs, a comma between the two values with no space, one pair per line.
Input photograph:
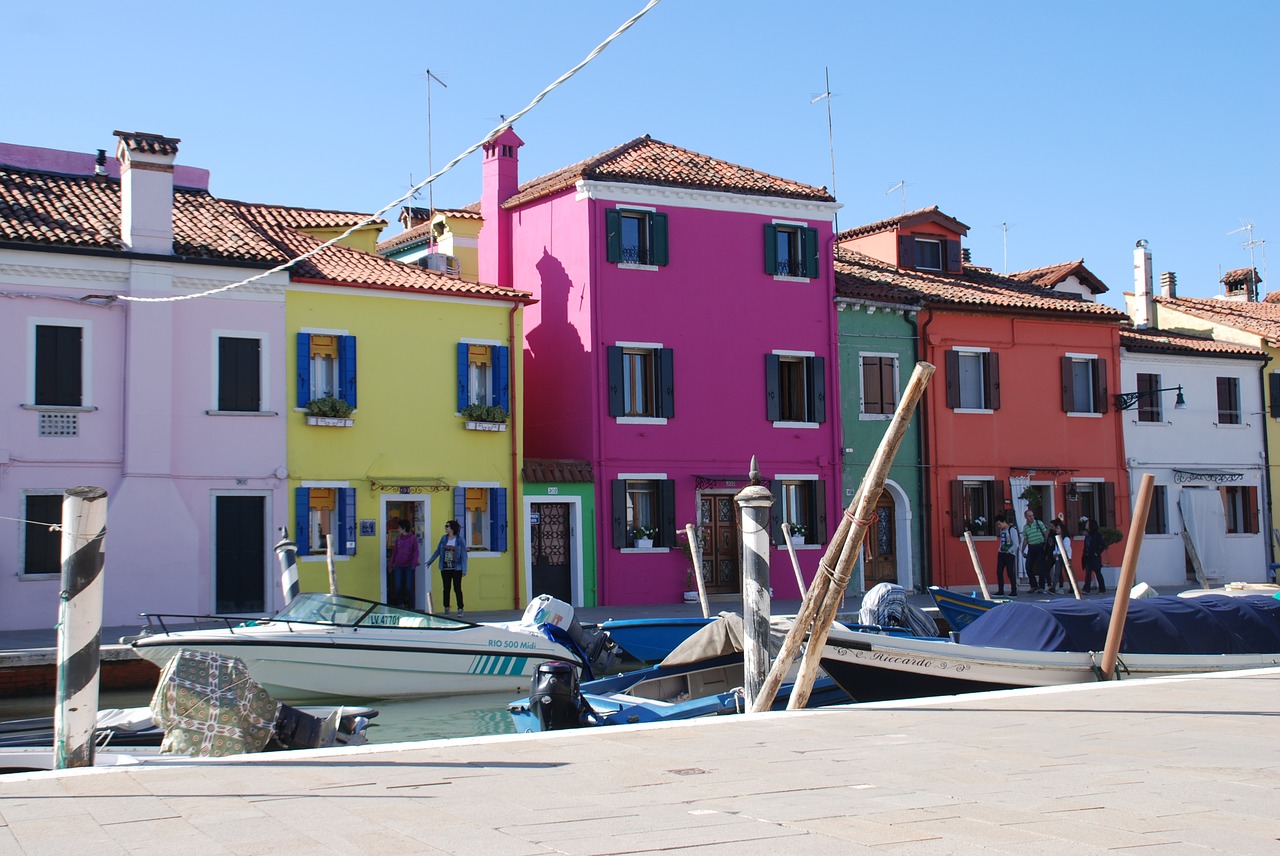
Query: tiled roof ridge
[1031,273]
[887,223]
[143,141]
[302,209]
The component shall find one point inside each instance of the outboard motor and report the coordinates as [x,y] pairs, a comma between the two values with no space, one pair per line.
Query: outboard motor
[596,645]
[555,699]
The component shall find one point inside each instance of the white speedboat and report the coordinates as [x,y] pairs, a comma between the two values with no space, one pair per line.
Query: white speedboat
[326,647]
[1040,644]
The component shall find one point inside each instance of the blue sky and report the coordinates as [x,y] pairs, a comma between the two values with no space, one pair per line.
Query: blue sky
[1084,126]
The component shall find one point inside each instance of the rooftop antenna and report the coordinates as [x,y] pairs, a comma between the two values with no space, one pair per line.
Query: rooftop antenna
[831,140]
[431,170]
[1248,244]
[901,185]
[1004,229]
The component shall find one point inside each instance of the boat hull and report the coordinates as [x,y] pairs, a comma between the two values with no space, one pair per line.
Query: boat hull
[650,639]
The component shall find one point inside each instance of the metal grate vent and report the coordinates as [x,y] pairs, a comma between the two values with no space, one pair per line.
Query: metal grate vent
[59,425]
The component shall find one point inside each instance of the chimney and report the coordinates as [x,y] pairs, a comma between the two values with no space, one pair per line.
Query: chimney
[1169,284]
[1144,298]
[965,258]
[146,191]
[501,180]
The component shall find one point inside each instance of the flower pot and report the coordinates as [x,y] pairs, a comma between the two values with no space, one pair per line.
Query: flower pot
[330,421]
[644,543]
[691,597]
[797,540]
[485,426]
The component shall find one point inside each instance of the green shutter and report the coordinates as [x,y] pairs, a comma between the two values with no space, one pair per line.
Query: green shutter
[613,235]
[618,512]
[811,253]
[772,394]
[661,255]
[770,249]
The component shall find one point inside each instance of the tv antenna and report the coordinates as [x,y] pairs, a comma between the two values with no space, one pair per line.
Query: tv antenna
[1004,230]
[1248,244]
[901,185]
[431,188]
[831,140]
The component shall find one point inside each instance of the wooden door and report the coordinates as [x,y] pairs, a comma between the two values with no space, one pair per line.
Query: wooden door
[879,548]
[721,556]
[549,545]
[240,557]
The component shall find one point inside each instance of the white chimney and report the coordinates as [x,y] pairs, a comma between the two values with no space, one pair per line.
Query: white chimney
[1169,284]
[1144,297]
[146,191]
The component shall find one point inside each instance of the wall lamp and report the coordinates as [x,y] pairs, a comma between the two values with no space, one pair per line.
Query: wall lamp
[1127,400]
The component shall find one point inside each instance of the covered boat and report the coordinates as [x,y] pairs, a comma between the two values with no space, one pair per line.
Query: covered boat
[1030,644]
[327,647]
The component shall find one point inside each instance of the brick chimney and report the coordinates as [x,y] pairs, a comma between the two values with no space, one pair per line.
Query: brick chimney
[501,180]
[1143,311]
[146,191]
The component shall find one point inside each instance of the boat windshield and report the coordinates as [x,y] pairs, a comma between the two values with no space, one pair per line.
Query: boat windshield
[322,608]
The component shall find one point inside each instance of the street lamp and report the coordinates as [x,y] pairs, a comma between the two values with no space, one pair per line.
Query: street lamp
[1127,400]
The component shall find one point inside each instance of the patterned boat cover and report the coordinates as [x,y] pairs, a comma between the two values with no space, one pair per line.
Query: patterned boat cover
[885,604]
[208,706]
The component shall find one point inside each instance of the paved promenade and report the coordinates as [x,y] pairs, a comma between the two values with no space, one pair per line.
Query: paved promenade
[1155,766]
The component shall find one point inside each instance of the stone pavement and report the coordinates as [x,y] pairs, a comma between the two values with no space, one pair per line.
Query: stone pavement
[1186,765]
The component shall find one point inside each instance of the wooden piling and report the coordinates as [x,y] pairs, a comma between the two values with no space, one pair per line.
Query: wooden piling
[1128,569]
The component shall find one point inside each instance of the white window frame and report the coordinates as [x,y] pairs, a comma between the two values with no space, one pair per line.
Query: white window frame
[315,373]
[897,362]
[797,228]
[22,552]
[486,518]
[962,351]
[264,372]
[646,213]
[86,364]
[317,549]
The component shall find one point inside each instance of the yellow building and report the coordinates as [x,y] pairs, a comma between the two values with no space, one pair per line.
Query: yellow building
[405,387]
[446,240]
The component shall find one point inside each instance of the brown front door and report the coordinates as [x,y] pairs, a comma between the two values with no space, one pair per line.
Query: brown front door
[879,550]
[722,549]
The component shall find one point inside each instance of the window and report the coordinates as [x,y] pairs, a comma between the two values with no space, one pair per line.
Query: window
[1092,499]
[239,374]
[879,384]
[928,254]
[643,500]
[641,381]
[1084,384]
[790,250]
[974,502]
[59,368]
[973,379]
[799,502]
[1158,513]
[1241,507]
[42,546]
[323,511]
[795,388]
[1229,401]
[326,367]
[636,237]
[481,511]
[1150,407]
[484,370]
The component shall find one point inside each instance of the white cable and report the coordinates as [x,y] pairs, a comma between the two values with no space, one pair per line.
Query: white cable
[626,25]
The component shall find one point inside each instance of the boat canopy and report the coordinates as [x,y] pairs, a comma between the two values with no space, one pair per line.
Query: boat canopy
[1214,624]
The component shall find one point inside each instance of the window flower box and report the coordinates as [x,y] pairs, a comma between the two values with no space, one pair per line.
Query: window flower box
[329,412]
[331,421]
[476,425]
[485,417]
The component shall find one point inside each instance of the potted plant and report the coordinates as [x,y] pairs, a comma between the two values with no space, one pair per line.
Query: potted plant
[977,526]
[798,534]
[485,417]
[329,411]
[1031,496]
[642,537]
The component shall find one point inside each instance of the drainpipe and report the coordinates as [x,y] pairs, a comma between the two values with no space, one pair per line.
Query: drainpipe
[926,474]
[1266,461]
[514,533]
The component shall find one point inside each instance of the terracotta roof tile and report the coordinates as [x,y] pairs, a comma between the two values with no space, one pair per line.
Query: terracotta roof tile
[645,160]
[154,144]
[1153,340]
[309,218]
[1052,275]
[1241,275]
[408,236]
[544,470]
[903,220]
[1262,319]
[860,277]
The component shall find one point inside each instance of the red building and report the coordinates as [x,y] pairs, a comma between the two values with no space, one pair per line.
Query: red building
[1022,397]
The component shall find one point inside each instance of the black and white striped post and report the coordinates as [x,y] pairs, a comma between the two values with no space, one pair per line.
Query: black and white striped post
[754,503]
[287,551]
[84,525]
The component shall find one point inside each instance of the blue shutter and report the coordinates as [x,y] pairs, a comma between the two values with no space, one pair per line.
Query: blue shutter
[304,369]
[617,403]
[613,235]
[618,512]
[772,394]
[661,251]
[811,253]
[464,390]
[817,389]
[502,377]
[302,520]
[775,519]
[347,369]
[498,519]
[666,382]
[770,249]
[346,522]
[460,507]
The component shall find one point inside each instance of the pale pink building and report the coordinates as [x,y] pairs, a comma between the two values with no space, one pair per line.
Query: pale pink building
[684,323]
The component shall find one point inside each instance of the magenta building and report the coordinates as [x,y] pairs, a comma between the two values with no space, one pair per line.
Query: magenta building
[684,323]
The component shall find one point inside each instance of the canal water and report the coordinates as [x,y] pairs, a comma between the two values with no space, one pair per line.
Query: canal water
[397,721]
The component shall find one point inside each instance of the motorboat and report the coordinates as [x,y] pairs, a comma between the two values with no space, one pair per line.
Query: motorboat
[651,639]
[1048,643]
[331,647]
[960,610]
[703,676]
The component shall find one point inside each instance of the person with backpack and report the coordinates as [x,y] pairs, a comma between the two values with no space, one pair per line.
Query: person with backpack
[1094,544]
[1007,556]
[1035,537]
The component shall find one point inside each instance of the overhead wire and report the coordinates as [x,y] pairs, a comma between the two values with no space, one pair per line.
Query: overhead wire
[470,150]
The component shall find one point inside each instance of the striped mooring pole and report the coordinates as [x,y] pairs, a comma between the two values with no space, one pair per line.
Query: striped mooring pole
[287,551]
[754,504]
[84,525]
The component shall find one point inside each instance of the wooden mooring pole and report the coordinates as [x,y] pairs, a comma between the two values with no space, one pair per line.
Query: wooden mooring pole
[1128,569]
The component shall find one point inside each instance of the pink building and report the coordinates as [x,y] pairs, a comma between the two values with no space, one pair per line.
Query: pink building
[684,323]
